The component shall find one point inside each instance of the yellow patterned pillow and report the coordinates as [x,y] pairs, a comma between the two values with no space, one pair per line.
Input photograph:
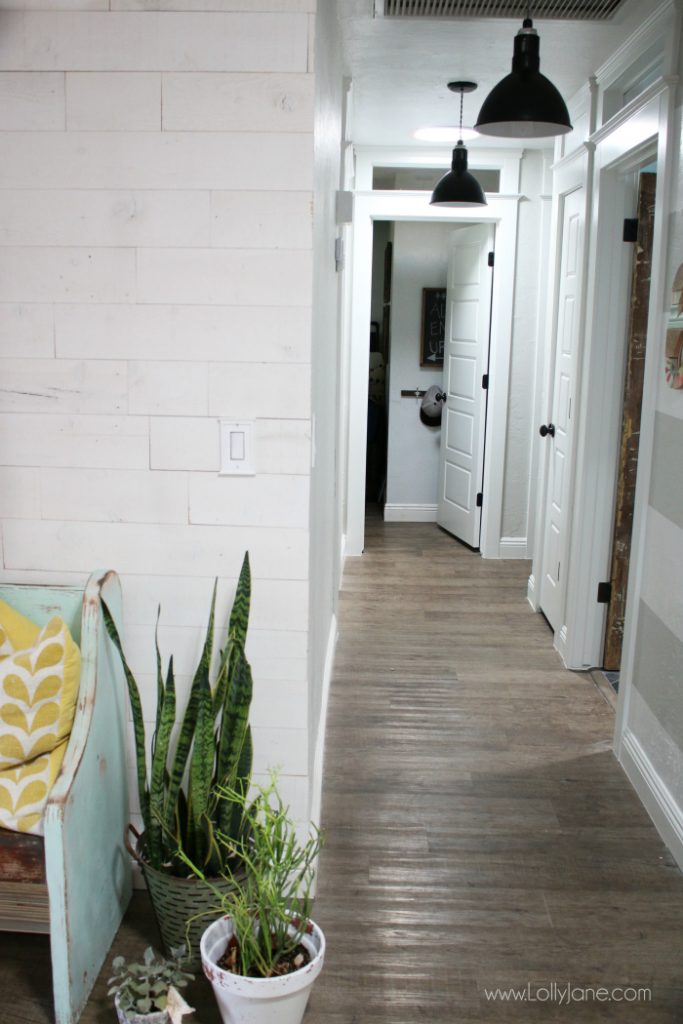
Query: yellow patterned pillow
[24,791]
[16,632]
[38,694]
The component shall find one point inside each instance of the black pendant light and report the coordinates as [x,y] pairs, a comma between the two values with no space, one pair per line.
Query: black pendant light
[524,104]
[459,187]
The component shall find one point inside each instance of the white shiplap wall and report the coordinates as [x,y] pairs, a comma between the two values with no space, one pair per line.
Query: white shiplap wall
[156,186]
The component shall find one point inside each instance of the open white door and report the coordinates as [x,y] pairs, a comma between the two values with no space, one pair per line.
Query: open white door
[466,354]
[558,432]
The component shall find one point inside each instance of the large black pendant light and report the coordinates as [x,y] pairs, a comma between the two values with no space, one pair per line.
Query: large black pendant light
[524,104]
[458,187]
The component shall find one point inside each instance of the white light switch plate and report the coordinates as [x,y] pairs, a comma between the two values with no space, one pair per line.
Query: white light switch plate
[237,448]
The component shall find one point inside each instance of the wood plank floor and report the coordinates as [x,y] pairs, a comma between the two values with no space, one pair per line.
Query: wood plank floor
[480,834]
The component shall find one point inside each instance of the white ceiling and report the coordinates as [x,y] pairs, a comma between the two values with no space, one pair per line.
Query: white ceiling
[400,66]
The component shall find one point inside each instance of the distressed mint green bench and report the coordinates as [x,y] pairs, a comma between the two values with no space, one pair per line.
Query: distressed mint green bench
[75,881]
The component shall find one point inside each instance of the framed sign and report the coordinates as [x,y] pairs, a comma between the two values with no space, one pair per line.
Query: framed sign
[433,326]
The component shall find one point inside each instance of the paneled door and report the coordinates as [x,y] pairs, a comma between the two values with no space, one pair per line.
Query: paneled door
[466,356]
[558,432]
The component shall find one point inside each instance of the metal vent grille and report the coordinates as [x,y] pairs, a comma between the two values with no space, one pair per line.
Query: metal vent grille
[563,10]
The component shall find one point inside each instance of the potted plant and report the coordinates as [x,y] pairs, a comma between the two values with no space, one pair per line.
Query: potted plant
[264,953]
[178,794]
[146,991]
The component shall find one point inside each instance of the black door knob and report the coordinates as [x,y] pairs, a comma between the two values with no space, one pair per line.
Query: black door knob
[550,429]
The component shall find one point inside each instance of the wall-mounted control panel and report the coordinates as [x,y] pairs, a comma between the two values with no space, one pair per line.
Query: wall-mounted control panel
[237,448]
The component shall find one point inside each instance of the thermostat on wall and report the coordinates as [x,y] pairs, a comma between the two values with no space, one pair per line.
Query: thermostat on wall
[237,448]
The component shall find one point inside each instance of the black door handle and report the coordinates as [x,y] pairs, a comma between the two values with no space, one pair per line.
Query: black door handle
[550,429]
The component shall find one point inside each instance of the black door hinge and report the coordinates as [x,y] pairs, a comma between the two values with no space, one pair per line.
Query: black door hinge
[604,593]
[480,499]
[485,382]
[630,229]
[491,258]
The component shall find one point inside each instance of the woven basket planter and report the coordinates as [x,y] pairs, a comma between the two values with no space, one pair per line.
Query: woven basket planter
[177,901]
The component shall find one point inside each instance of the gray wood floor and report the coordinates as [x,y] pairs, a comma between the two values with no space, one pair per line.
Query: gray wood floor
[480,834]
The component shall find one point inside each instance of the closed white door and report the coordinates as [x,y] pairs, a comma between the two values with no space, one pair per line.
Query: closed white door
[466,353]
[558,432]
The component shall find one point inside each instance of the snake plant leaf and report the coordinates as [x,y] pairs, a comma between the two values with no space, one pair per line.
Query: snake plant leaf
[230,813]
[235,718]
[160,682]
[237,633]
[188,727]
[202,762]
[136,711]
[157,796]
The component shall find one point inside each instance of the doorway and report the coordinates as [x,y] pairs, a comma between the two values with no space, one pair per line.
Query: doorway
[640,232]
[502,212]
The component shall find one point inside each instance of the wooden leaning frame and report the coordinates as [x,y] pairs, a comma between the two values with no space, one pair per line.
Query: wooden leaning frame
[75,882]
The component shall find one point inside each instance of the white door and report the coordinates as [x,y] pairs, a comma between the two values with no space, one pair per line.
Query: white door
[558,432]
[466,354]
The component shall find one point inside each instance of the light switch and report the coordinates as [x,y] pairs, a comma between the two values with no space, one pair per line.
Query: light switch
[237,448]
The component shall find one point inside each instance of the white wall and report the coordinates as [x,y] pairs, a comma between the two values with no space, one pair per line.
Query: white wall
[325,516]
[156,184]
[652,744]
[420,260]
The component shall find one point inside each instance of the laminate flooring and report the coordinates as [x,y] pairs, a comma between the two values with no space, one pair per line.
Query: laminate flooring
[480,833]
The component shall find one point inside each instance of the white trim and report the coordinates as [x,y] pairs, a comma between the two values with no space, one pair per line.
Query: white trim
[315,802]
[513,547]
[654,794]
[531,594]
[617,155]
[503,211]
[396,513]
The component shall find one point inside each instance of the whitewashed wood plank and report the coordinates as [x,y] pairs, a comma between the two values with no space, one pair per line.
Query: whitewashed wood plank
[175,160]
[178,442]
[81,217]
[281,604]
[29,439]
[265,6]
[19,492]
[248,277]
[31,101]
[262,220]
[113,101]
[158,388]
[54,5]
[37,274]
[242,391]
[121,41]
[26,331]
[283,446]
[238,102]
[232,334]
[113,496]
[283,748]
[63,385]
[158,549]
[252,500]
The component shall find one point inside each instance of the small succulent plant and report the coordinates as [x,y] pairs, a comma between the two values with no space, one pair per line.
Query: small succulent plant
[143,986]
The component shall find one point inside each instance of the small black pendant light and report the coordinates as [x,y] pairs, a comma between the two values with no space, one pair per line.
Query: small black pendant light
[458,187]
[524,104]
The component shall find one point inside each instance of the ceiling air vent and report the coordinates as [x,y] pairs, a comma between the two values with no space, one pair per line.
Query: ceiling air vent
[561,10]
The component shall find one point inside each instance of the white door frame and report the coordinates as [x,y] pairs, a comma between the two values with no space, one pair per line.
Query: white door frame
[639,131]
[502,210]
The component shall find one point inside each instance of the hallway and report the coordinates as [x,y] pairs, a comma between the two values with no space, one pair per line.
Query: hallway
[480,833]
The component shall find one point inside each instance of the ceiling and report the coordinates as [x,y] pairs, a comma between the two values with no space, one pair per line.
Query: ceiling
[400,65]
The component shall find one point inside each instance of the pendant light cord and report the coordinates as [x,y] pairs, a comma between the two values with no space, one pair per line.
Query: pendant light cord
[462,96]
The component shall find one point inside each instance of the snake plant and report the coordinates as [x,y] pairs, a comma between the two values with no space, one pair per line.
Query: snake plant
[180,801]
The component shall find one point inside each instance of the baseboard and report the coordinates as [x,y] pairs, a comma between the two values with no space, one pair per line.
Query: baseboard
[655,796]
[319,756]
[512,547]
[410,513]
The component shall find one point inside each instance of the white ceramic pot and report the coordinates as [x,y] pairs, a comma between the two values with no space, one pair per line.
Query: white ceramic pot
[241,1000]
